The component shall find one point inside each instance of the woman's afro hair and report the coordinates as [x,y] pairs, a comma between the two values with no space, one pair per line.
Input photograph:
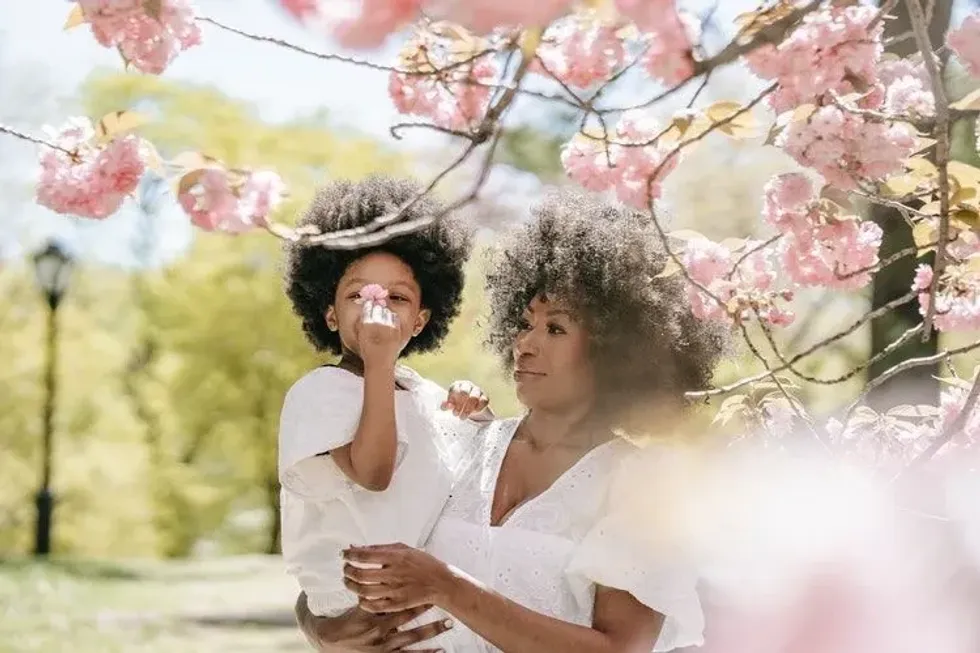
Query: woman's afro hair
[436,254]
[646,344]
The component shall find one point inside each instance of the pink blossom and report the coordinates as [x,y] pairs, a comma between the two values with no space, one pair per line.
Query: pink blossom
[356,24]
[580,51]
[669,37]
[149,43]
[586,162]
[213,204]
[832,50]
[744,286]
[437,85]
[640,163]
[952,401]
[910,95]
[845,147]
[819,249]
[957,297]
[669,57]
[965,42]
[836,254]
[373,292]
[300,9]
[93,181]
[483,16]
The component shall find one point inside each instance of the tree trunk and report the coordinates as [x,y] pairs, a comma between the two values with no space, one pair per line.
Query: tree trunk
[273,544]
[917,385]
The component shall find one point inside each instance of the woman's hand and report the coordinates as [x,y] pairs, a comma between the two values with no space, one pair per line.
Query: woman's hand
[361,632]
[467,401]
[406,578]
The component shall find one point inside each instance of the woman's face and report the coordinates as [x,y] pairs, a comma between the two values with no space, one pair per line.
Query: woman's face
[552,363]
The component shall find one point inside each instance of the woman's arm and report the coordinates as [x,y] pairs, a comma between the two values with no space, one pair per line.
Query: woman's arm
[360,632]
[620,623]
[409,577]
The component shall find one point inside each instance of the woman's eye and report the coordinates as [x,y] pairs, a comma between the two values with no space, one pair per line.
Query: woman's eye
[556,329]
[398,298]
[523,325]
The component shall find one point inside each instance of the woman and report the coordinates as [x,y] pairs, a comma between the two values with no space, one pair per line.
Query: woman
[523,553]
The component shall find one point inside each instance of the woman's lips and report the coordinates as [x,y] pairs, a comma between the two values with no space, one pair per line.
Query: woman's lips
[526,375]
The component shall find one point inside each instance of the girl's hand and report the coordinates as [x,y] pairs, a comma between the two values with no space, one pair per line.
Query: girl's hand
[358,631]
[467,401]
[405,578]
[379,336]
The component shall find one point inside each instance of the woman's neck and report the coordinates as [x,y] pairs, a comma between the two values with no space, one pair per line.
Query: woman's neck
[568,428]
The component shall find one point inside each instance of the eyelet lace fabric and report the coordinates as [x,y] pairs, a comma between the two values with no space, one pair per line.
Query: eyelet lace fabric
[551,552]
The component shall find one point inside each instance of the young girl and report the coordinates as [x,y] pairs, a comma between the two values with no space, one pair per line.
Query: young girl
[368,449]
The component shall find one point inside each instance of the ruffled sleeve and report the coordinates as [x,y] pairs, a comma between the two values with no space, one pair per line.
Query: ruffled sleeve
[320,413]
[620,552]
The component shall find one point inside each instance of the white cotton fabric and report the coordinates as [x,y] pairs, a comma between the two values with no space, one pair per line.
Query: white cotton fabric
[323,512]
[552,551]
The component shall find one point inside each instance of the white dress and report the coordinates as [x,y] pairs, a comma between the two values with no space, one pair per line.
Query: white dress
[323,512]
[551,552]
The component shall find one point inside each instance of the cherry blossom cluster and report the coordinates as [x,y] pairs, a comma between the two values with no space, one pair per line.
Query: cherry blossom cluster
[149,35]
[668,38]
[85,178]
[965,42]
[957,297]
[906,88]
[633,161]
[220,200]
[846,147]
[834,51]
[437,82]
[819,247]
[89,174]
[742,285]
[580,51]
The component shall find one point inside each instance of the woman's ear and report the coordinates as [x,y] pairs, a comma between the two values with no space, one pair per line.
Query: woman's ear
[420,321]
[331,318]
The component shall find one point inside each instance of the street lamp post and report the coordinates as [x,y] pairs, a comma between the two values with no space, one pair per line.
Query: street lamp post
[52,268]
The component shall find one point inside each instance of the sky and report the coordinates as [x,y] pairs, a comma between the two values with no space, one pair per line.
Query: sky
[279,82]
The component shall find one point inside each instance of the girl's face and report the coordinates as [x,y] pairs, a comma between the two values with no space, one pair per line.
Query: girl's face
[552,360]
[404,298]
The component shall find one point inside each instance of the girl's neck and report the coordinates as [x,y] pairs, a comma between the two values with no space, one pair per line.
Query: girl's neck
[351,362]
[574,429]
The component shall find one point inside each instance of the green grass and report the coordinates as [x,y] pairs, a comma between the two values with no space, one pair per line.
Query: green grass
[240,604]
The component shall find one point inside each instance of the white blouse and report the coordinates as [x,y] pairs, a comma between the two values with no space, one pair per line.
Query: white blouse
[553,550]
[324,512]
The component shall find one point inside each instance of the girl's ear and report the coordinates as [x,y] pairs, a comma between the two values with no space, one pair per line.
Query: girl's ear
[420,321]
[331,318]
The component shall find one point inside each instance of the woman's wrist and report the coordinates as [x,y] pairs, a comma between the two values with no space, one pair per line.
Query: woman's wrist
[452,589]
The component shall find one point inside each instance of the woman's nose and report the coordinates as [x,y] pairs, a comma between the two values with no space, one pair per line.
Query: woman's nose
[526,343]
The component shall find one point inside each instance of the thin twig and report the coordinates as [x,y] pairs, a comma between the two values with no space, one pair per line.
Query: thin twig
[920,27]
[864,319]
[951,430]
[907,364]
[4,129]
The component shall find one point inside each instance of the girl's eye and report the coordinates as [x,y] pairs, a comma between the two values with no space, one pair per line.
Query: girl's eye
[354,295]
[523,325]
[556,329]
[398,298]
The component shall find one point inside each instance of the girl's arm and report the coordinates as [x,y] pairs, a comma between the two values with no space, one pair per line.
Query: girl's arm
[369,459]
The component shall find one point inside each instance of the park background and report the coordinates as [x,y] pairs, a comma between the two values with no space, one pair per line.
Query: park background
[175,347]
